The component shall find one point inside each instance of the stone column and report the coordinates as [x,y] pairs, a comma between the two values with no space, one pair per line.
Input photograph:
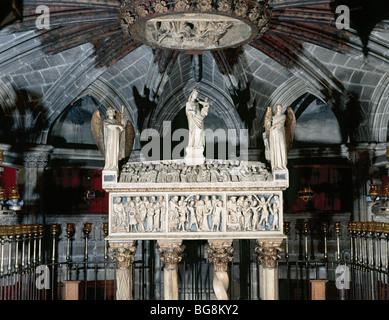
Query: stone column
[124,254]
[171,254]
[268,272]
[220,253]
[34,162]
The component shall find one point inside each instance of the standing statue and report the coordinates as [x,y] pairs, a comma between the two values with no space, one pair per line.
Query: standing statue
[113,136]
[278,136]
[195,115]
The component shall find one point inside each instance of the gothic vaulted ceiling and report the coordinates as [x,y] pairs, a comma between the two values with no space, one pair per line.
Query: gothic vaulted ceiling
[289,52]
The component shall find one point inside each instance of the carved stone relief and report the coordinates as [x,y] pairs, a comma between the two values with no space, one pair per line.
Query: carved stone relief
[253,212]
[195,213]
[211,171]
[138,214]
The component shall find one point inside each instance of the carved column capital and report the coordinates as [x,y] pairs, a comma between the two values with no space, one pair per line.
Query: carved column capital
[220,253]
[171,253]
[124,252]
[35,159]
[268,252]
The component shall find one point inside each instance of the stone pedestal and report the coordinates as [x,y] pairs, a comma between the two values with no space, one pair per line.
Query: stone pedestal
[71,290]
[124,254]
[194,156]
[268,271]
[318,289]
[171,254]
[220,253]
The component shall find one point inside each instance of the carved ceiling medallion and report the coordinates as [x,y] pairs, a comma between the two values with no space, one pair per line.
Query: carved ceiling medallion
[189,25]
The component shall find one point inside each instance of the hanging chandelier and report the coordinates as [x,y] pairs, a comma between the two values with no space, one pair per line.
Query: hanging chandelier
[306,194]
[195,25]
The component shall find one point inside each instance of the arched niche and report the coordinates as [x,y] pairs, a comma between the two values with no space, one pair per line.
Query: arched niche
[73,128]
[316,123]
[222,123]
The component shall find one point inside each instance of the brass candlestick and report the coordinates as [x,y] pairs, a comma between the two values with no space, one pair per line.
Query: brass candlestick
[24,238]
[379,229]
[364,241]
[29,236]
[10,234]
[87,230]
[386,234]
[54,230]
[70,230]
[18,234]
[35,232]
[40,236]
[305,232]
[338,229]
[371,235]
[351,230]
[324,228]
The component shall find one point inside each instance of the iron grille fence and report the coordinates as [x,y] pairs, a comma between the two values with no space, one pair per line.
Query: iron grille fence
[31,269]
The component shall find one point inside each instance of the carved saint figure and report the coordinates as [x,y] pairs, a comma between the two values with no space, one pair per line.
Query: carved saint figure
[132,217]
[196,117]
[192,215]
[118,212]
[216,215]
[275,212]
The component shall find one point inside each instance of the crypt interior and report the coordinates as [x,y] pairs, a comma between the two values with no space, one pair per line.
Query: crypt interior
[58,67]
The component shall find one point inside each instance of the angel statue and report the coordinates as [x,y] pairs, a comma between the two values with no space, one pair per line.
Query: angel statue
[114,137]
[278,136]
[196,119]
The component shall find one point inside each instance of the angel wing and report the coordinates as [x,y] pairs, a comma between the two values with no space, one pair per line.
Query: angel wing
[127,140]
[268,120]
[290,126]
[98,131]
[267,125]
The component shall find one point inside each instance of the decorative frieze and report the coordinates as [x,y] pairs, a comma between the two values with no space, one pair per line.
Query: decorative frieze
[200,214]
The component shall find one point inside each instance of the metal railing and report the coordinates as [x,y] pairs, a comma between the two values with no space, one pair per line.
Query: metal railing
[355,268]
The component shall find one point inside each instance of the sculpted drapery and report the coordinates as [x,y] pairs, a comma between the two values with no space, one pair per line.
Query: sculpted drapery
[112,130]
[277,141]
[196,119]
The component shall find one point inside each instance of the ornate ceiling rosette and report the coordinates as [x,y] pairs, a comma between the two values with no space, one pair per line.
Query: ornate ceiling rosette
[195,25]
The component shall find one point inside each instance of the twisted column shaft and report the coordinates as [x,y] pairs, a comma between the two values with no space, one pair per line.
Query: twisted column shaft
[220,253]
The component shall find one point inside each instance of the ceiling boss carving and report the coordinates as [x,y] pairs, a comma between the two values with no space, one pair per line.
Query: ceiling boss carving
[195,25]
